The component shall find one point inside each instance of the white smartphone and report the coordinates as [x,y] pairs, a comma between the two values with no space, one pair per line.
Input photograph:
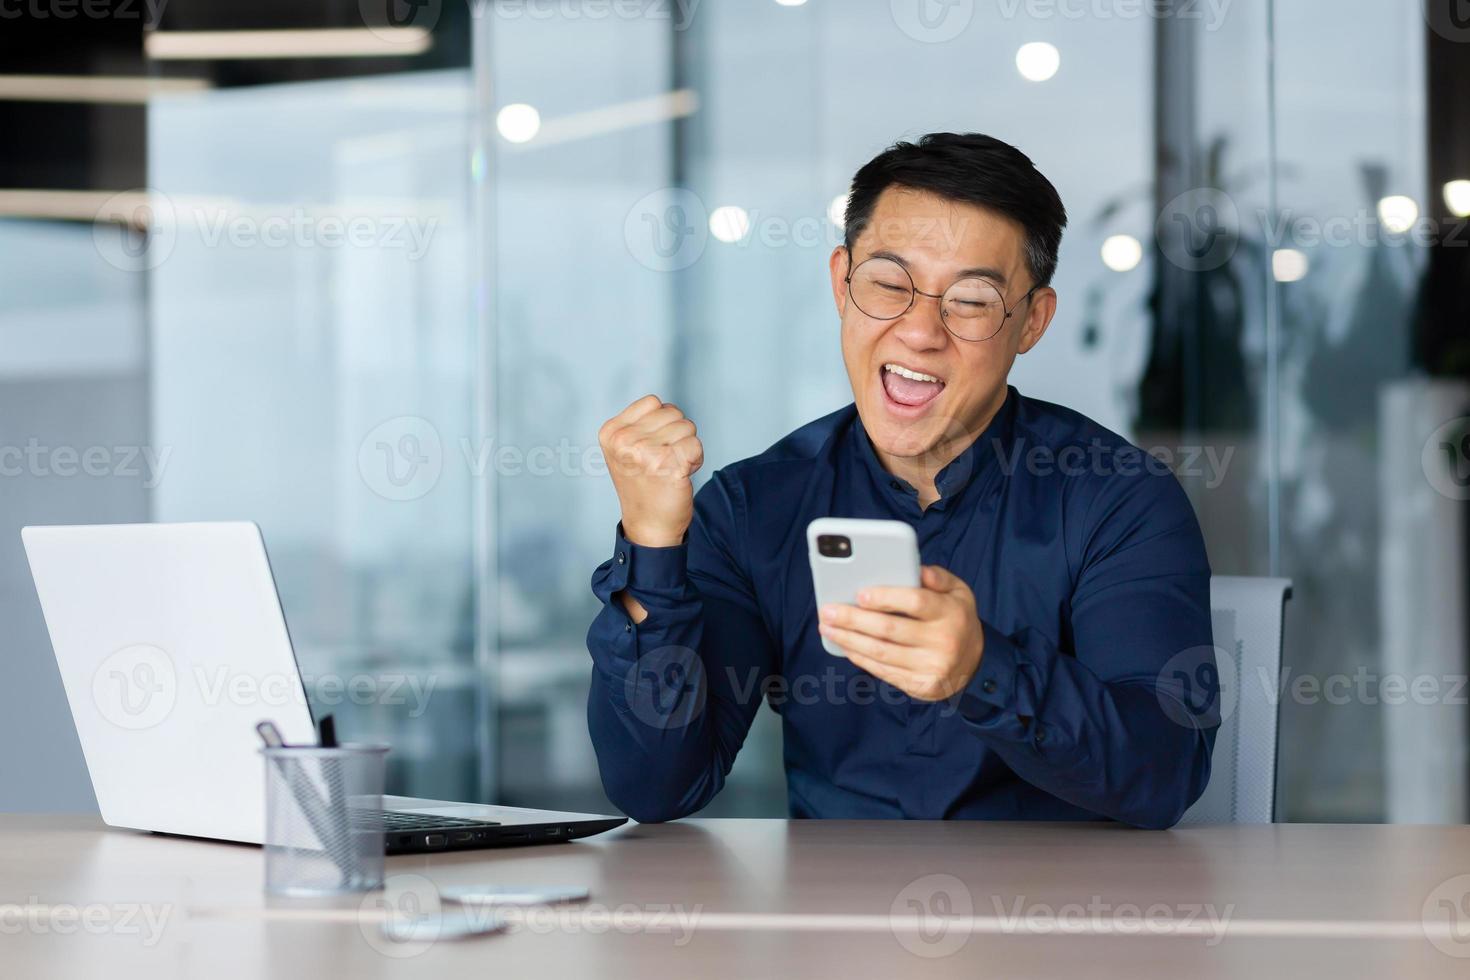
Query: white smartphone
[848,555]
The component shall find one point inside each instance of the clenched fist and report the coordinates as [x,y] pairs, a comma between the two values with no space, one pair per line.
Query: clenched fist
[652,452]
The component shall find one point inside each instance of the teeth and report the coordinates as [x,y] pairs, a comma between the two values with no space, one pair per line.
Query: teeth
[904,372]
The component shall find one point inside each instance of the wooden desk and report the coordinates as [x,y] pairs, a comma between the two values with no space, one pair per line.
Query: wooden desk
[718,898]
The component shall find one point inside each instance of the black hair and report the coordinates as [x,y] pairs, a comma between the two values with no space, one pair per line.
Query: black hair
[975,169]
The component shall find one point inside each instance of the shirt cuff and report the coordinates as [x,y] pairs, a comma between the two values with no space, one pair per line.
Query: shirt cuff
[639,568]
[999,698]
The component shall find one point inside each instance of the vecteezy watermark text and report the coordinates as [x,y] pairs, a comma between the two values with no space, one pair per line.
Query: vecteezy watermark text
[410,915]
[679,12]
[403,458]
[38,918]
[935,915]
[148,11]
[39,459]
[137,231]
[136,687]
[1096,458]
[1098,916]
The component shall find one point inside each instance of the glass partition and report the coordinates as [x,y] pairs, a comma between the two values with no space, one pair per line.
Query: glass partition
[393,309]
[315,361]
[667,229]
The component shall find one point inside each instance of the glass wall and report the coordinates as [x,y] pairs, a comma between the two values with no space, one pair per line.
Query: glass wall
[314,355]
[578,325]
[393,309]
[692,184]
[1351,190]
[698,220]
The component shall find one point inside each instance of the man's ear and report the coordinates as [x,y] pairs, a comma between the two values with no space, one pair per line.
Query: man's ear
[837,266]
[1038,317]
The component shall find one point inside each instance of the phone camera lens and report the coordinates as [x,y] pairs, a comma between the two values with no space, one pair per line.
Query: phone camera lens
[834,546]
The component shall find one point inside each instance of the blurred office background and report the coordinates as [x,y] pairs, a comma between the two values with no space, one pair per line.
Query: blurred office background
[372,273]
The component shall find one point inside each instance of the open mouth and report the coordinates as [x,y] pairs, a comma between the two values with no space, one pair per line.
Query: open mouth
[907,388]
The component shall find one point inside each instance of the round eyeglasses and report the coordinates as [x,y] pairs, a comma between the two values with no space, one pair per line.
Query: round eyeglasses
[972,309]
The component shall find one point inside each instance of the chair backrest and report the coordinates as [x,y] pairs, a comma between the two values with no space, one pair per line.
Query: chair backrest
[1248,615]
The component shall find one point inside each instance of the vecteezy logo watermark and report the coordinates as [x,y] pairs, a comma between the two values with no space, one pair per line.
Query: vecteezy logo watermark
[221,685]
[1199,230]
[388,19]
[1446,917]
[665,688]
[404,919]
[932,916]
[138,686]
[667,230]
[1450,19]
[935,916]
[1102,918]
[135,687]
[1199,687]
[38,918]
[410,915]
[932,21]
[135,231]
[402,458]
[658,918]
[1203,685]
[1446,457]
[1362,228]
[1097,458]
[832,686]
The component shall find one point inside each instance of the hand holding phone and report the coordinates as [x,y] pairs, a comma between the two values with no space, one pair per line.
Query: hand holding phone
[848,555]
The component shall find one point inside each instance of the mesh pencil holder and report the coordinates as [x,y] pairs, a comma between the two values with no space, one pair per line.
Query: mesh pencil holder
[324,819]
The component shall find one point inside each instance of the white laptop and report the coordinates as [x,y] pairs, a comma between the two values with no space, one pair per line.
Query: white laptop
[172,647]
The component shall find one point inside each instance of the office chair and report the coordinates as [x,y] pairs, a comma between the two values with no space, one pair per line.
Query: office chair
[1247,615]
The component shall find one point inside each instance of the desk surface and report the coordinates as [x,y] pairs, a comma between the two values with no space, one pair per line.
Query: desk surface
[714,898]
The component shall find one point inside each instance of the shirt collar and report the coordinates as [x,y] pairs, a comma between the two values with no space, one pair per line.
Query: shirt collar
[987,452]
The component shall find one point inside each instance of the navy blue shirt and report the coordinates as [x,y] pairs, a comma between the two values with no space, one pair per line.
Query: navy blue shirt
[1090,581]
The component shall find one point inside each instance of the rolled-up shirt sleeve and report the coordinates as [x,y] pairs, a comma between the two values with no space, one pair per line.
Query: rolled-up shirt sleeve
[673,697]
[1123,721]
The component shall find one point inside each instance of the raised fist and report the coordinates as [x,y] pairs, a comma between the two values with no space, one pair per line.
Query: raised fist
[652,453]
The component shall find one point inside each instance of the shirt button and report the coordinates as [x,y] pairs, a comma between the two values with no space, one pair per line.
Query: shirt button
[988,687]
[627,627]
[895,485]
[622,558]
[1040,736]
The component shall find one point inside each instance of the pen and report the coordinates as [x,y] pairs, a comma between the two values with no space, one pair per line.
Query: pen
[307,799]
[331,769]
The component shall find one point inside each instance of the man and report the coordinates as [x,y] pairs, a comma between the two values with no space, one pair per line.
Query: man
[1044,668]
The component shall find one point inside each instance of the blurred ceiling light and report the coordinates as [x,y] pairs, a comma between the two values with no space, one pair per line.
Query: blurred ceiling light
[729,223]
[108,89]
[618,116]
[1457,198]
[837,211]
[1122,253]
[518,122]
[1289,264]
[72,205]
[1398,213]
[791,3]
[141,207]
[379,42]
[1038,61]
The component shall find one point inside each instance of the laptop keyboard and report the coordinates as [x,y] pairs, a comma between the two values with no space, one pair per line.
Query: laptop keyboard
[400,820]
